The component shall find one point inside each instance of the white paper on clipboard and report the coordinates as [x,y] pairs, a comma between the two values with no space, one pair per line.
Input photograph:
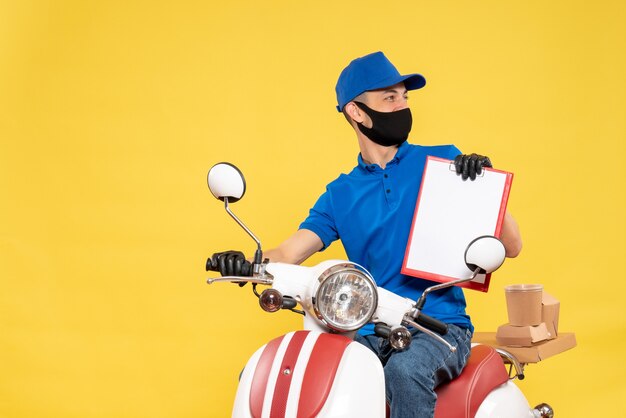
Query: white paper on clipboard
[449,214]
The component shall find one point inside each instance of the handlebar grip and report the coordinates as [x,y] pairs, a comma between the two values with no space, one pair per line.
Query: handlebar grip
[432,324]
[382,330]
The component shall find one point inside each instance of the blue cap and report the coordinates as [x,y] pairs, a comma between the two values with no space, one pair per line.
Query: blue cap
[371,72]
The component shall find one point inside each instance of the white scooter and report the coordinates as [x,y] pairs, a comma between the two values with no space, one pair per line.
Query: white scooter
[321,372]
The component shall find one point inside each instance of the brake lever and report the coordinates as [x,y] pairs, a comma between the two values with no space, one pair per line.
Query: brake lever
[407,321]
[237,279]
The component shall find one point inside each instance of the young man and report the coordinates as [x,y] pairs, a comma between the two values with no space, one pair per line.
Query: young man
[370,210]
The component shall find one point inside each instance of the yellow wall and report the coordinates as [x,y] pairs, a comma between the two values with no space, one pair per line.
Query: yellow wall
[111,112]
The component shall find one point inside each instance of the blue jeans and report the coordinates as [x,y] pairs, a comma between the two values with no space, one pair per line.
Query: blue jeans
[411,376]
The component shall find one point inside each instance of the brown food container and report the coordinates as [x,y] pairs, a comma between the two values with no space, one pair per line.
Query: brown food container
[523,303]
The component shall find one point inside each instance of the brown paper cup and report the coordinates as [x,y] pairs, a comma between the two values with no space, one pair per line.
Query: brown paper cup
[523,303]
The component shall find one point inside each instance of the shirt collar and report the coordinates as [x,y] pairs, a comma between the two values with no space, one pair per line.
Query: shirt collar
[403,149]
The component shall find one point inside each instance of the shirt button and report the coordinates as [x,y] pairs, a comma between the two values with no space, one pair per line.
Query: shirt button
[388,190]
[386,176]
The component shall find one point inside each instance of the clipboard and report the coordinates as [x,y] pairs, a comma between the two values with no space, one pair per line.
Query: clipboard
[449,214]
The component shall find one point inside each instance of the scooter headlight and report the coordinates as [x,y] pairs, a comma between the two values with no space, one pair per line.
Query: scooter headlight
[346,297]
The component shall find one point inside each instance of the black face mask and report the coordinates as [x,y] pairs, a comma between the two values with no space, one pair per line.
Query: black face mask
[388,128]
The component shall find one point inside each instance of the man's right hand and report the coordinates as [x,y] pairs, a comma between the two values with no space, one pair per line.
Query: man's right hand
[229,263]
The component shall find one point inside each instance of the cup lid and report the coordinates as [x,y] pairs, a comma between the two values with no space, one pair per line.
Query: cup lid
[523,288]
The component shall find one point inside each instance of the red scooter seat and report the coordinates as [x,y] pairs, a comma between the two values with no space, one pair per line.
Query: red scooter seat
[462,396]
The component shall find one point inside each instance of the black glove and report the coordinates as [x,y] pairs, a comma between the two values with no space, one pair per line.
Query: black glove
[229,263]
[470,165]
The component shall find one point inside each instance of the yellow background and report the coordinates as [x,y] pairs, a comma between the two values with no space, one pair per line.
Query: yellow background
[111,113]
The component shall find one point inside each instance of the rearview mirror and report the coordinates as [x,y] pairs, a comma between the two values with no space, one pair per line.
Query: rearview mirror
[226,181]
[486,252]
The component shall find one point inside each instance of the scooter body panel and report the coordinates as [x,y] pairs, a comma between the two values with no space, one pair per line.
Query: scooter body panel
[353,387]
[359,388]
[506,400]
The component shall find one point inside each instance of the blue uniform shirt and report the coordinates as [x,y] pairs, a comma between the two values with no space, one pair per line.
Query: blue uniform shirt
[371,211]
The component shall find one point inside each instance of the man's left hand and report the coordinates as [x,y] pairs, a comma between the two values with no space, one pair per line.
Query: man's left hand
[470,165]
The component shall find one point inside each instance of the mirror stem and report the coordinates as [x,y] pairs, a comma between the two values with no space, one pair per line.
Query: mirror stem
[258,255]
[422,300]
